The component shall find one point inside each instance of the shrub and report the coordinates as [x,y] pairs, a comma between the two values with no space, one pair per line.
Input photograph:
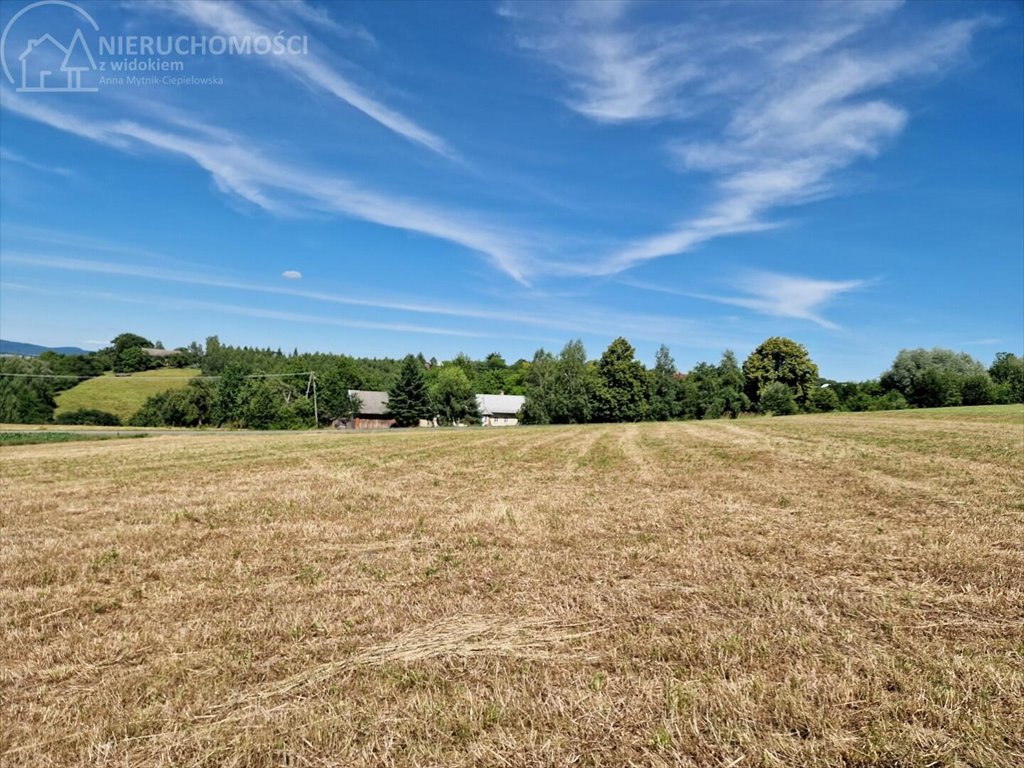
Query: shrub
[88,417]
[777,399]
[977,390]
[822,400]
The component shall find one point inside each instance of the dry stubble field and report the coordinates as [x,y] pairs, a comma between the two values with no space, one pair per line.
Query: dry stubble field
[830,590]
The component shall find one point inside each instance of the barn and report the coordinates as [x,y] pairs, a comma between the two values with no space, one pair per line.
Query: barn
[373,410]
[500,410]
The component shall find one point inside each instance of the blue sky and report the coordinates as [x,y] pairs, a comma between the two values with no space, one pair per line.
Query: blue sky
[504,176]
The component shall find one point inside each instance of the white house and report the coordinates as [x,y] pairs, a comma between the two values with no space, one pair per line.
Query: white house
[500,410]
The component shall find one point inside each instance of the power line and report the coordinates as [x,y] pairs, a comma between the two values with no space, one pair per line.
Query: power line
[150,378]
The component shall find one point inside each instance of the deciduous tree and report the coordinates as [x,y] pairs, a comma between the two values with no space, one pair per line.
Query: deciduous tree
[621,384]
[783,360]
[453,397]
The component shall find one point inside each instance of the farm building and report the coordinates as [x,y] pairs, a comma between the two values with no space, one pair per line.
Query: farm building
[157,352]
[373,410]
[500,410]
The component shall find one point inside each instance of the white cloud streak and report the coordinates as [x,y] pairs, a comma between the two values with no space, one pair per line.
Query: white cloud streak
[164,302]
[275,186]
[321,18]
[787,295]
[230,18]
[615,74]
[567,318]
[772,294]
[6,156]
[800,104]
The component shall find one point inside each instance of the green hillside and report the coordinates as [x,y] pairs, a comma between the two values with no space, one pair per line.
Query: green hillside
[122,395]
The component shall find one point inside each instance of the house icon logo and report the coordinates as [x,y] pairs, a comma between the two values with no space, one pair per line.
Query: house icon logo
[44,63]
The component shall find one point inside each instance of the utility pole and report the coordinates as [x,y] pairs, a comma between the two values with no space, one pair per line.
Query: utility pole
[316,412]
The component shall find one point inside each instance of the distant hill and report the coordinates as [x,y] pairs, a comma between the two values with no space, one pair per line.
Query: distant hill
[32,350]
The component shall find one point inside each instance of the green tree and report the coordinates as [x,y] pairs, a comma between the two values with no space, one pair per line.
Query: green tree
[701,393]
[930,378]
[664,396]
[230,393]
[171,408]
[541,382]
[202,395]
[26,394]
[911,363]
[711,392]
[574,383]
[409,398]
[494,362]
[1007,374]
[454,401]
[129,341]
[190,406]
[621,384]
[24,402]
[731,385]
[935,387]
[782,360]
[262,406]
[216,357]
[132,360]
[332,387]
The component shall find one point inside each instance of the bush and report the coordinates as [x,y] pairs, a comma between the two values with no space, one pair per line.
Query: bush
[88,417]
[823,400]
[186,407]
[977,390]
[890,401]
[777,399]
[935,388]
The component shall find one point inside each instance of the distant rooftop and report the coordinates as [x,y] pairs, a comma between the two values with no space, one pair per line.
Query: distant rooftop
[373,403]
[491,405]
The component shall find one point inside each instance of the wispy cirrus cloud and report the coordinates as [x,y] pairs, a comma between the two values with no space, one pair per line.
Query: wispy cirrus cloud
[772,294]
[226,17]
[278,187]
[803,298]
[164,302]
[784,112]
[533,312]
[323,19]
[615,75]
[7,156]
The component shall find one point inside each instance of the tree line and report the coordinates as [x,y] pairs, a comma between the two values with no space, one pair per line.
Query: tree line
[268,389]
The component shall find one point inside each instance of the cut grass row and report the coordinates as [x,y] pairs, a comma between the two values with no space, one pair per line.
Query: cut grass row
[8,437]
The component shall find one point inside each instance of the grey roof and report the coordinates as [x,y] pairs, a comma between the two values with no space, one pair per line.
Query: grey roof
[492,405]
[154,352]
[373,403]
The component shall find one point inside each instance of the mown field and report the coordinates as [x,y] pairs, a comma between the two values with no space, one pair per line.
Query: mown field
[122,395]
[840,590]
